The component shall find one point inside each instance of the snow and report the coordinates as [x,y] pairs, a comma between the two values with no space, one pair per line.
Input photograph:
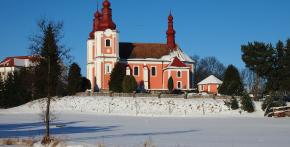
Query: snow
[130,106]
[90,121]
[127,131]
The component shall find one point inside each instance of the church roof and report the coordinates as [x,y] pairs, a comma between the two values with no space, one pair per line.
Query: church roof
[129,50]
[177,63]
[210,80]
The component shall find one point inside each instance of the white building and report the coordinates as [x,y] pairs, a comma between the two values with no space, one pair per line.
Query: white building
[12,64]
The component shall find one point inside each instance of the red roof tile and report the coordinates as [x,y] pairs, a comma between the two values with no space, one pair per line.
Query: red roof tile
[177,63]
[142,50]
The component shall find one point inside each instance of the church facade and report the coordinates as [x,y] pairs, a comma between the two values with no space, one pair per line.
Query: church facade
[152,64]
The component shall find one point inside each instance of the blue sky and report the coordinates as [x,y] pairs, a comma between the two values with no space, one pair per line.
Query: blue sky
[204,27]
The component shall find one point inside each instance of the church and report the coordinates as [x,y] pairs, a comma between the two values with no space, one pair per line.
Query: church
[152,64]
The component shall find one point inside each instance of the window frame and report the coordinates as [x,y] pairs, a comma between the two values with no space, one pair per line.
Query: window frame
[137,70]
[179,86]
[110,68]
[180,76]
[152,71]
[110,42]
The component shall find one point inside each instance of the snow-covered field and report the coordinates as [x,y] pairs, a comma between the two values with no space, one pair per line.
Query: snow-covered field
[91,121]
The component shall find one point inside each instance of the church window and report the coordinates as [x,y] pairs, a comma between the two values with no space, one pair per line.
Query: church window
[178,74]
[136,71]
[108,42]
[179,85]
[108,68]
[153,70]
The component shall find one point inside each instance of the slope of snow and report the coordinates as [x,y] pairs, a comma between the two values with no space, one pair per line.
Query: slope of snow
[139,107]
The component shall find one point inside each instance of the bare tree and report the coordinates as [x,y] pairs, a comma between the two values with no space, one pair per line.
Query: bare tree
[253,83]
[207,66]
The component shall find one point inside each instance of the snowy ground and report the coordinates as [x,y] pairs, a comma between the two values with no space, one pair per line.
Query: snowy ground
[124,131]
[177,107]
[83,121]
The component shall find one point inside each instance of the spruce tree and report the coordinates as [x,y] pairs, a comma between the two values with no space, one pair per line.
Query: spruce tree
[74,79]
[247,103]
[86,84]
[50,67]
[116,77]
[12,92]
[232,83]
[52,55]
[129,84]
[170,85]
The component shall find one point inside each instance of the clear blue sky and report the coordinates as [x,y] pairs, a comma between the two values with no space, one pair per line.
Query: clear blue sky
[204,27]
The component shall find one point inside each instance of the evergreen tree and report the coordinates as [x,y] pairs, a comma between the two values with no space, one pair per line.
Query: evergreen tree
[284,73]
[49,72]
[129,84]
[74,79]
[270,63]
[52,54]
[86,84]
[116,77]
[247,103]
[12,92]
[232,83]
[170,85]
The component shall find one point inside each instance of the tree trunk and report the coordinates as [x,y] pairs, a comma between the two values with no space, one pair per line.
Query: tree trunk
[46,139]
[256,87]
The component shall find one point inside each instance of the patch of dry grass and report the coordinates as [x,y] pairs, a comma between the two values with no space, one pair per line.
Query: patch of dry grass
[17,141]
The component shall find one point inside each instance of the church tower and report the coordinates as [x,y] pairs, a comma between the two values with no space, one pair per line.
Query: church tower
[171,34]
[102,48]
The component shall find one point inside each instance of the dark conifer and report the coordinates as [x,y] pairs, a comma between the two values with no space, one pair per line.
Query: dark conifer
[86,84]
[74,79]
[116,77]
[170,85]
[247,104]
[52,55]
[232,83]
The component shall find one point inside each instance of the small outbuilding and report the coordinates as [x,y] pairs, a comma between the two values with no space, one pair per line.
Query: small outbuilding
[209,85]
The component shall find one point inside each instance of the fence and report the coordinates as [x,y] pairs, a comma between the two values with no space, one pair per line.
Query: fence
[185,96]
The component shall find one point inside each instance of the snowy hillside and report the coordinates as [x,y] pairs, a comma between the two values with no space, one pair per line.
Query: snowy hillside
[139,107]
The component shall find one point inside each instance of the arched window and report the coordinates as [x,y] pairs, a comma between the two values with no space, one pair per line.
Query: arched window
[178,74]
[108,68]
[108,42]
[179,85]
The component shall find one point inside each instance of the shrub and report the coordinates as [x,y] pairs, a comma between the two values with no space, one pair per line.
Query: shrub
[234,103]
[129,84]
[247,103]
[273,102]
